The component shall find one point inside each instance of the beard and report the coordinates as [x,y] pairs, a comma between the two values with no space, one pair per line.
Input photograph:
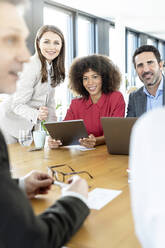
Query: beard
[153,83]
[156,78]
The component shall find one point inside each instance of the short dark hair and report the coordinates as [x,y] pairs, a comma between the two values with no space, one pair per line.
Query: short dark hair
[147,48]
[110,74]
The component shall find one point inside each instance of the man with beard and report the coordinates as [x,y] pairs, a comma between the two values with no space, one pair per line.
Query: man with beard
[149,67]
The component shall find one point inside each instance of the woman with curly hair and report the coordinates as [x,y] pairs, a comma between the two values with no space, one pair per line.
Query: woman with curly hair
[96,80]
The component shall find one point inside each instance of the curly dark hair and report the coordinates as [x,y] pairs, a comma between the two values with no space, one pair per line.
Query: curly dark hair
[110,74]
[146,48]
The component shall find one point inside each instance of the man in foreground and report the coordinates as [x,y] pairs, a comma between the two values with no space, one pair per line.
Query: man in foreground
[19,226]
[148,65]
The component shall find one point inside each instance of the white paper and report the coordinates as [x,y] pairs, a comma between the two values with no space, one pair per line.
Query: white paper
[81,148]
[99,197]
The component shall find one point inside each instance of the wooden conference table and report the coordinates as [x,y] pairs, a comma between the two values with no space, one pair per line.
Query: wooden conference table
[110,227]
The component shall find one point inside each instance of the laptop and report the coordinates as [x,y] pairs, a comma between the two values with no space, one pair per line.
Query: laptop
[69,132]
[117,131]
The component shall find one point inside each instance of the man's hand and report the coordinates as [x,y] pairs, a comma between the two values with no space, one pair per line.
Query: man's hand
[78,185]
[89,142]
[37,183]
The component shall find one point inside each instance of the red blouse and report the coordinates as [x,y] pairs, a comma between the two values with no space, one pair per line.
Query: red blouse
[109,105]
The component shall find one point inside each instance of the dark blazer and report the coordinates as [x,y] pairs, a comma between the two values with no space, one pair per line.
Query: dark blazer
[20,228]
[137,103]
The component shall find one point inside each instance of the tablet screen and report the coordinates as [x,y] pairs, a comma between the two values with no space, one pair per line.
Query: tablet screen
[69,132]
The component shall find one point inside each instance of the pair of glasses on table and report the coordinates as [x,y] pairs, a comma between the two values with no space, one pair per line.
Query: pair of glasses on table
[60,176]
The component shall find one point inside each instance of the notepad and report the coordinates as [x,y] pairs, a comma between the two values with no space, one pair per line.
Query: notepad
[80,148]
[99,197]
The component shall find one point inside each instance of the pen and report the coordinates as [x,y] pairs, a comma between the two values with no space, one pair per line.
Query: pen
[60,184]
[46,99]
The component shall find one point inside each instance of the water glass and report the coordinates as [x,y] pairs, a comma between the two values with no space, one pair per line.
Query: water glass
[25,137]
[39,138]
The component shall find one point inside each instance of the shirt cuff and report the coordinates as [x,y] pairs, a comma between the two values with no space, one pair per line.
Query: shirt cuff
[21,183]
[75,194]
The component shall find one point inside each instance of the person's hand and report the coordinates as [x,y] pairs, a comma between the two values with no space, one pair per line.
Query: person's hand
[37,183]
[78,185]
[52,143]
[43,113]
[89,142]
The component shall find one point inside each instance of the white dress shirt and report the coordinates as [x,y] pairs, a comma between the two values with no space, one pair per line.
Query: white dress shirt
[147,167]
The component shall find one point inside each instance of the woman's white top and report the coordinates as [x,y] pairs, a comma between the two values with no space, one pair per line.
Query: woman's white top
[20,110]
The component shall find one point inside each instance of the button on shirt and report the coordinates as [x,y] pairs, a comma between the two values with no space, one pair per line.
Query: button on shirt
[157,100]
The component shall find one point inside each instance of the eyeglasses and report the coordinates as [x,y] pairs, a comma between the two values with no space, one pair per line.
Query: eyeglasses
[60,176]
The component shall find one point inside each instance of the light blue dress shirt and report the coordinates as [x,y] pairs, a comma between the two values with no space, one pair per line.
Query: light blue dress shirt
[157,100]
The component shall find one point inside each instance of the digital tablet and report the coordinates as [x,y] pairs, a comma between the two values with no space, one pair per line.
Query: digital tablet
[69,132]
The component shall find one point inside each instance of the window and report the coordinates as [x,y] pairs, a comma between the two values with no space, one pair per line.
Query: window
[63,20]
[152,41]
[85,36]
[161,47]
[132,44]
[112,43]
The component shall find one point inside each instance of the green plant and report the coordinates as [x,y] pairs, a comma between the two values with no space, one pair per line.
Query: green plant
[58,105]
[43,126]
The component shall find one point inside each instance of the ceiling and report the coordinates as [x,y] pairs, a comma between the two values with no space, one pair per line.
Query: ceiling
[143,15]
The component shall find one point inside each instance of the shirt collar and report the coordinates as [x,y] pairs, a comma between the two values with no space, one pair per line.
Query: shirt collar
[99,103]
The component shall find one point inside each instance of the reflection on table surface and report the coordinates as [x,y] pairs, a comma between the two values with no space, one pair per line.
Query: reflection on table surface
[112,226]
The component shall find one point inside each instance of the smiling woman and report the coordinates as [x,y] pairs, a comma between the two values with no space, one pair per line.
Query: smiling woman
[33,100]
[50,45]
[96,81]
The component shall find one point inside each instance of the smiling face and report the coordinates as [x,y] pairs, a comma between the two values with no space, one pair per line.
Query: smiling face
[92,82]
[50,45]
[13,50]
[148,69]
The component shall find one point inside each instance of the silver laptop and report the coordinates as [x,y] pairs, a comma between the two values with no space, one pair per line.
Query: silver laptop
[117,132]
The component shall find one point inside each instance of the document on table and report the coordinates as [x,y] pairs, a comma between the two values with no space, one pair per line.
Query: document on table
[99,197]
[81,148]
